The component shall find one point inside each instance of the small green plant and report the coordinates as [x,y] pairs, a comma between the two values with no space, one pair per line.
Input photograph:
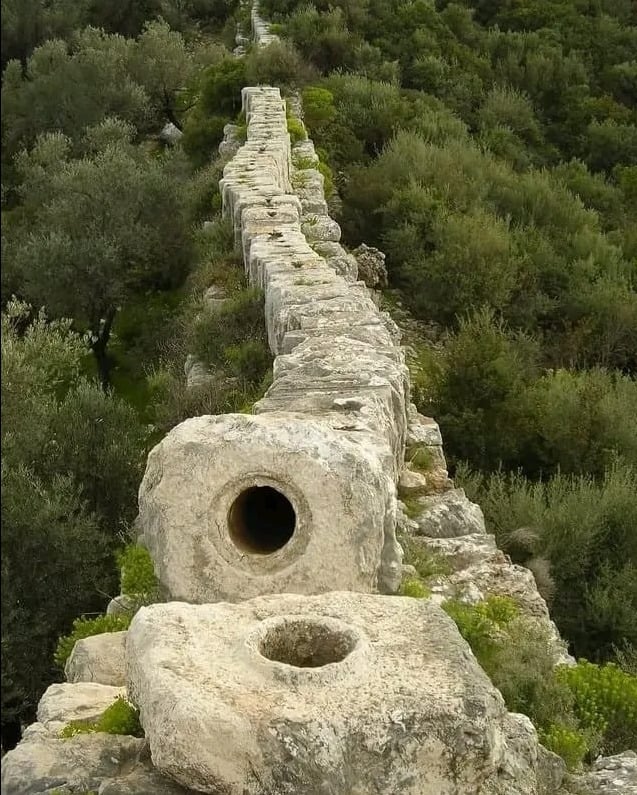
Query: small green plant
[300,179]
[570,744]
[428,564]
[85,628]
[413,506]
[248,360]
[482,625]
[419,457]
[137,573]
[605,702]
[303,163]
[296,130]
[120,718]
[414,587]
[297,263]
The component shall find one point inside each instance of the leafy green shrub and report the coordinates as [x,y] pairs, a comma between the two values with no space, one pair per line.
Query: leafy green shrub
[120,718]
[202,135]
[427,564]
[296,130]
[248,360]
[238,320]
[137,572]
[328,178]
[220,88]
[419,457]
[318,108]
[605,702]
[570,744]
[85,628]
[415,588]
[482,624]
[278,64]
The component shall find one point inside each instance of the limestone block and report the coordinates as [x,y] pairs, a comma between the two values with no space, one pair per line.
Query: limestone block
[304,151]
[99,658]
[170,134]
[371,266]
[449,515]
[215,298]
[463,551]
[236,506]
[120,604]
[422,430]
[42,763]
[611,775]
[342,693]
[320,227]
[412,482]
[85,701]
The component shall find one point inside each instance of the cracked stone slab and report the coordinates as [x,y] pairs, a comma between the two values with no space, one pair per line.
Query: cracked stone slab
[340,693]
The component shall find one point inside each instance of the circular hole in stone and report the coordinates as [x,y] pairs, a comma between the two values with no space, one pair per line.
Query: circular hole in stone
[261,520]
[306,644]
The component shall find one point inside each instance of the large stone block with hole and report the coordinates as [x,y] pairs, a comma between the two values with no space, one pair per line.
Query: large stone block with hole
[236,506]
[342,693]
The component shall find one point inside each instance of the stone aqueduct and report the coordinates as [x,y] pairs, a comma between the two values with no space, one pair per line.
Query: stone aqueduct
[280,663]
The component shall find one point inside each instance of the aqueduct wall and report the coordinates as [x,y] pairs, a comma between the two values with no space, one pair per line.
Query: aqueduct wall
[288,673]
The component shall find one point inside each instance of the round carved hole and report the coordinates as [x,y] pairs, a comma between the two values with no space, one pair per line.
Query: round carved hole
[307,644]
[261,520]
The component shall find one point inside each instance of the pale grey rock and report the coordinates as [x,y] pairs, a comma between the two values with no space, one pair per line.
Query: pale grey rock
[235,506]
[340,693]
[43,762]
[450,515]
[526,761]
[371,266]
[99,658]
[120,605]
[215,298]
[302,152]
[463,551]
[422,430]
[170,134]
[83,701]
[412,482]
[610,775]
[197,374]
[320,227]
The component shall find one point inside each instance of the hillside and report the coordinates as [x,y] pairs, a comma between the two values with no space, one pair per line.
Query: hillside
[481,163]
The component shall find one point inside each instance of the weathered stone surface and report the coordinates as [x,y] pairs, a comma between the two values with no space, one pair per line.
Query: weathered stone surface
[340,693]
[422,430]
[463,551]
[235,506]
[120,604]
[449,515]
[99,658]
[85,701]
[42,763]
[526,761]
[197,374]
[371,266]
[320,227]
[214,298]
[170,134]
[412,482]
[610,775]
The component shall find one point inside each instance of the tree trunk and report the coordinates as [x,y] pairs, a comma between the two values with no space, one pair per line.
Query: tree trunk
[100,345]
[169,111]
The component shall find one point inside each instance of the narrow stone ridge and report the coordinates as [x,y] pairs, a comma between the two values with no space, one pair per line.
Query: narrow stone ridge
[299,497]
[338,357]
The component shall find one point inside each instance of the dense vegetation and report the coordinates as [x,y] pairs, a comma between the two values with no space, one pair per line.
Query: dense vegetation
[102,226]
[490,148]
